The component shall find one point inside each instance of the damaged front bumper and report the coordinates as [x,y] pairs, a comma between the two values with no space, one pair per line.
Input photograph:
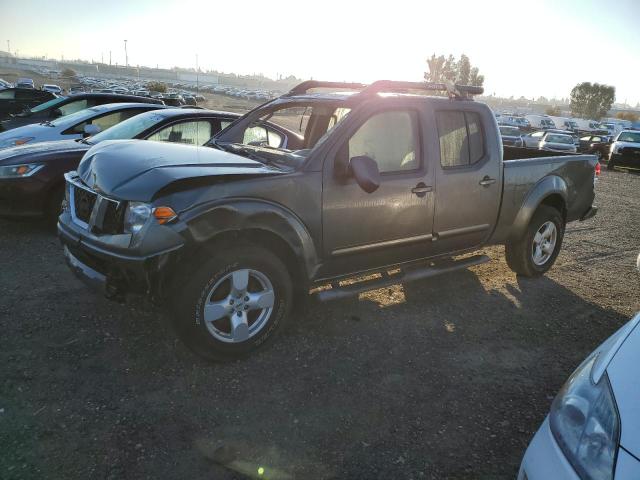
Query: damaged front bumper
[109,268]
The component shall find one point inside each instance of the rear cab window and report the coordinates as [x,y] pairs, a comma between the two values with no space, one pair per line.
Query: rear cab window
[461,138]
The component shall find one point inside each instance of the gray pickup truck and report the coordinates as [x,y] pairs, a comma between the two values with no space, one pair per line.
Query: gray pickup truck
[310,189]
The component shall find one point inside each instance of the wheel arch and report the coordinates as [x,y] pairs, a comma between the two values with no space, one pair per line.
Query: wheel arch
[262,223]
[551,191]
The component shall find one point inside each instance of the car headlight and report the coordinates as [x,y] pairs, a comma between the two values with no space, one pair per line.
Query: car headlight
[585,422]
[15,141]
[136,216]
[19,171]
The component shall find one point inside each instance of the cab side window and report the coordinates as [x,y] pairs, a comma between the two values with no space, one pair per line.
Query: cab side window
[190,133]
[390,139]
[461,138]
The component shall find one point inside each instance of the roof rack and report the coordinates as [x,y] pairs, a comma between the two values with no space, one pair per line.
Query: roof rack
[458,92]
[454,91]
[307,85]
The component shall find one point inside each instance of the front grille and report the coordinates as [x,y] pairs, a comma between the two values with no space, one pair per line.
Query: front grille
[113,219]
[83,203]
[108,214]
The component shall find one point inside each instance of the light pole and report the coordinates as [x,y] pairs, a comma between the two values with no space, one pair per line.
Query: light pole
[126,55]
[197,75]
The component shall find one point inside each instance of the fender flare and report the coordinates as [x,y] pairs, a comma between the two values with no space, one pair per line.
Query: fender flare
[550,185]
[238,215]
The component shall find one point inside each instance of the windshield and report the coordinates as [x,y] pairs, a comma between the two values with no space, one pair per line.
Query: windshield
[632,137]
[128,129]
[292,129]
[509,131]
[49,104]
[559,139]
[75,117]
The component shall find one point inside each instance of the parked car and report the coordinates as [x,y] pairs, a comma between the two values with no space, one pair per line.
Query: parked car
[32,176]
[625,150]
[592,430]
[15,100]
[4,84]
[511,136]
[557,142]
[565,123]
[536,139]
[59,107]
[540,121]
[84,123]
[189,100]
[173,99]
[52,88]
[226,235]
[25,83]
[598,145]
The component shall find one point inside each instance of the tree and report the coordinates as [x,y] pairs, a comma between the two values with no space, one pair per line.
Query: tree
[554,111]
[157,87]
[448,69]
[631,116]
[592,100]
[69,73]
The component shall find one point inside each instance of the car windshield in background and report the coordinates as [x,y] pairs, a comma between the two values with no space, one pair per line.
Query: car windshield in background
[45,105]
[510,131]
[559,139]
[128,129]
[632,137]
[73,117]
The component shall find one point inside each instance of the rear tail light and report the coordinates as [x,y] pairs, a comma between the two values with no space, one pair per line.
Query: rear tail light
[598,169]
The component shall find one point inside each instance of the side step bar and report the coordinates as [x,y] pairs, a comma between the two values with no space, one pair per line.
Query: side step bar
[337,292]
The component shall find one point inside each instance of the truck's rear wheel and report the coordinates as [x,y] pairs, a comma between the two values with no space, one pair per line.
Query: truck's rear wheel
[233,303]
[536,251]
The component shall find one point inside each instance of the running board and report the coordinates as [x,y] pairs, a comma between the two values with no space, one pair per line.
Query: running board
[337,292]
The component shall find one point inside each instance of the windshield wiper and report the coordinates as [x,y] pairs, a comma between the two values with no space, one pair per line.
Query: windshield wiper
[47,123]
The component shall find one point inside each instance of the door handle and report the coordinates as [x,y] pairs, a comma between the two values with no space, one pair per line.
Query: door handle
[487,180]
[421,189]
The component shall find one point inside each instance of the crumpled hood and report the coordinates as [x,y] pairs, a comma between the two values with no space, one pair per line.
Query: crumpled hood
[625,383]
[33,153]
[137,169]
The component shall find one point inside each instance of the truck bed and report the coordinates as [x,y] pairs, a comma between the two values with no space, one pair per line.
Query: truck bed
[570,175]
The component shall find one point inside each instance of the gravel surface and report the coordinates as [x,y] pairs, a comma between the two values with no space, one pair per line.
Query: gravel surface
[447,378]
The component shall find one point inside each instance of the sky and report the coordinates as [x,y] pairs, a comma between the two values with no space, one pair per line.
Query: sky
[524,48]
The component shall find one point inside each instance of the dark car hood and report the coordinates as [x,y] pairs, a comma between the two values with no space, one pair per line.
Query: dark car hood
[20,120]
[36,152]
[138,169]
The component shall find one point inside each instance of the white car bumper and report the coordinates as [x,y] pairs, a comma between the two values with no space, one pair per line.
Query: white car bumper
[544,459]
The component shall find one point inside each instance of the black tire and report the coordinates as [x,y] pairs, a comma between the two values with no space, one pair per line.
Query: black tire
[53,208]
[187,304]
[519,253]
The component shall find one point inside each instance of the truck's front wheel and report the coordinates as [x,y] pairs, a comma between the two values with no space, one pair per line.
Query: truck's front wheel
[233,303]
[536,251]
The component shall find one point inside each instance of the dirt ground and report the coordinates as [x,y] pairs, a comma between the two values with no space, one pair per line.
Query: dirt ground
[445,378]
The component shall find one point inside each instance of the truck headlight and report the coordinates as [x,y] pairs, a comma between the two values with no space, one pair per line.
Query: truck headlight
[15,141]
[136,216]
[585,422]
[19,171]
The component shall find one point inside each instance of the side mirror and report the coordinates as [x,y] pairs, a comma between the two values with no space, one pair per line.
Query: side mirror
[55,113]
[365,171]
[91,129]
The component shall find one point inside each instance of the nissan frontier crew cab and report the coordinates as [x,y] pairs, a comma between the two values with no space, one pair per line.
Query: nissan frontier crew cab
[329,181]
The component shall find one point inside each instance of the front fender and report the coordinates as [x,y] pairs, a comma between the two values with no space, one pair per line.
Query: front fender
[237,215]
[550,185]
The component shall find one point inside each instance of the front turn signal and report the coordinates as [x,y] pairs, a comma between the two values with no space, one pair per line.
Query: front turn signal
[164,214]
